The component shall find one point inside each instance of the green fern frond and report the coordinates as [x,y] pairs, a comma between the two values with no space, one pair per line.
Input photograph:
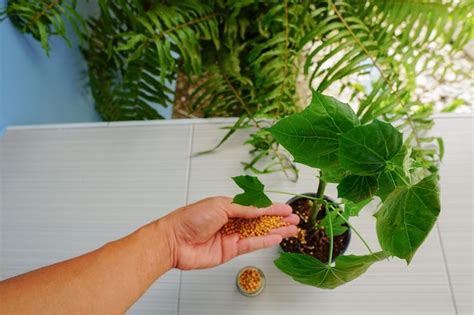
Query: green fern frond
[174,31]
[269,60]
[274,56]
[341,61]
[398,39]
[417,23]
[44,18]
[224,100]
[144,44]
[245,57]
[125,85]
[401,36]
[411,34]
[401,107]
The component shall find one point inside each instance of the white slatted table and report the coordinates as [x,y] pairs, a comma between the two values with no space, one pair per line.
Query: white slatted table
[65,190]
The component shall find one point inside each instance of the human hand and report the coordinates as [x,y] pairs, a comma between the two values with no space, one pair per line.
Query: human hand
[194,236]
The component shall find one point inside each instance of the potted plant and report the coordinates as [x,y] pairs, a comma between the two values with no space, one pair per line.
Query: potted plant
[366,161]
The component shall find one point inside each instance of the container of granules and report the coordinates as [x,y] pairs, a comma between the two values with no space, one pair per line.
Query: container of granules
[250,281]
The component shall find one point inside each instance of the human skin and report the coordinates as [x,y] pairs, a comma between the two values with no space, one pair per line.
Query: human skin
[110,279]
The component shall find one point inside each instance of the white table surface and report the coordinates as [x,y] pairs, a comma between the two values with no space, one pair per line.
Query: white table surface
[68,189]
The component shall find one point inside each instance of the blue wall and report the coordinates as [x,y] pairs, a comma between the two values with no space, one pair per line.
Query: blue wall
[35,89]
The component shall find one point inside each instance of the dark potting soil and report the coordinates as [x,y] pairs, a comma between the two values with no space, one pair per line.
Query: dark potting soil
[317,244]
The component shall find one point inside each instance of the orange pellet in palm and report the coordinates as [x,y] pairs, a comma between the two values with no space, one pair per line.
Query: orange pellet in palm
[253,227]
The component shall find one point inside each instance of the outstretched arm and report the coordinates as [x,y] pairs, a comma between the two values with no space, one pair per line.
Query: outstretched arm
[111,278]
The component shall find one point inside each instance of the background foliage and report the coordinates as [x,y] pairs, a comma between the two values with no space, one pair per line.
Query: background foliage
[246,58]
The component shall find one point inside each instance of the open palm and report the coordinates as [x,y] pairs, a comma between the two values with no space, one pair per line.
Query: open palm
[197,242]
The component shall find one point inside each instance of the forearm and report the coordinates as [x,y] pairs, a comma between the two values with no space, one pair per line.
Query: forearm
[107,280]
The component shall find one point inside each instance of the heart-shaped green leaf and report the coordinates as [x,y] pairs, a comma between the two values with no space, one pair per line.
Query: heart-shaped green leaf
[364,150]
[309,270]
[253,194]
[357,188]
[407,216]
[312,135]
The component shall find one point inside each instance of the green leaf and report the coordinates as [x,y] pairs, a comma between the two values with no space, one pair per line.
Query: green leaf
[333,174]
[339,226]
[136,54]
[229,61]
[43,37]
[253,192]
[353,209]
[458,102]
[365,150]
[238,124]
[440,142]
[312,135]
[132,42]
[397,176]
[388,182]
[407,216]
[310,271]
[357,188]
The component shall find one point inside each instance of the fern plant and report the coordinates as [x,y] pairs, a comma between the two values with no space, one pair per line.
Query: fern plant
[247,58]
[44,18]
[131,54]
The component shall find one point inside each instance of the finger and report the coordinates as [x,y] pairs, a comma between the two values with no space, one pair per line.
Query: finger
[286,231]
[248,245]
[279,209]
[238,211]
[292,219]
[234,210]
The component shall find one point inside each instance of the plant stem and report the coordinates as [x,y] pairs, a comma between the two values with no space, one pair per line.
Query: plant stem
[321,188]
[331,235]
[401,177]
[355,231]
[313,215]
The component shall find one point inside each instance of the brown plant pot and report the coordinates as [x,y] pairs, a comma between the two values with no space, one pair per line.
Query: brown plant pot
[318,243]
